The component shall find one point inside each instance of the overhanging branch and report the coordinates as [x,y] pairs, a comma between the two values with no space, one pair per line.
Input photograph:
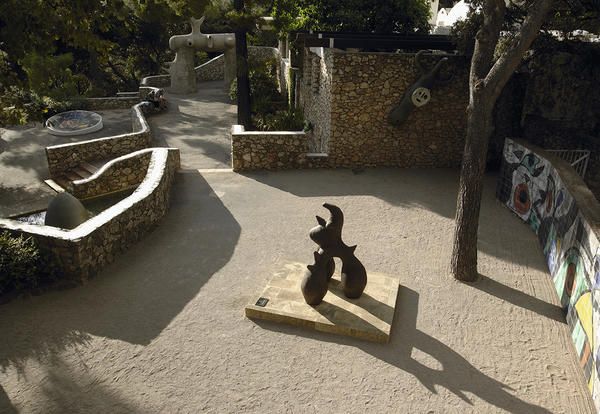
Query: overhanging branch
[508,62]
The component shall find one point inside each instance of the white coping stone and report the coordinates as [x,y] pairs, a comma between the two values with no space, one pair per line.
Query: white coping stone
[110,163]
[317,50]
[156,168]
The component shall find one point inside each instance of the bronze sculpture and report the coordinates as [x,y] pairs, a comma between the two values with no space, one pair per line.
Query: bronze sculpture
[328,236]
[419,93]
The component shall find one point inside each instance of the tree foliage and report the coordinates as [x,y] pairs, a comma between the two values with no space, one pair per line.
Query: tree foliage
[62,48]
[378,16]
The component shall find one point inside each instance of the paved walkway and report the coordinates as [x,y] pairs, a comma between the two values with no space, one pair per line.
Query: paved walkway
[199,125]
[162,329]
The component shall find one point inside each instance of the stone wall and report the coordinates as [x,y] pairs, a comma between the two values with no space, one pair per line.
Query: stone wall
[84,250]
[116,175]
[552,199]
[256,150]
[98,104]
[157,81]
[315,95]
[347,97]
[64,157]
[212,70]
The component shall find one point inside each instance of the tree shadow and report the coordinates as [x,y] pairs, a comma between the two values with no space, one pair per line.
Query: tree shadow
[20,199]
[518,298]
[138,295]
[62,391]
[6,405]
[457,374]
[501,233]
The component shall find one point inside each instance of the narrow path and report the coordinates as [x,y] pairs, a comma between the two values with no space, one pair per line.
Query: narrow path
[199,125]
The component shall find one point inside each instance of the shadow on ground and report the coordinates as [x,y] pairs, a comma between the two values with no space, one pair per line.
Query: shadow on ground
[457,374]
[518,298]
[431,189]
[138,295]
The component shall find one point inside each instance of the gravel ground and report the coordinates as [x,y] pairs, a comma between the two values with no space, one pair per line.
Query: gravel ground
[163,330]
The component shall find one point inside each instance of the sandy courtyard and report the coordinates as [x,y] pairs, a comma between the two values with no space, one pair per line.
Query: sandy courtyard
[163,329]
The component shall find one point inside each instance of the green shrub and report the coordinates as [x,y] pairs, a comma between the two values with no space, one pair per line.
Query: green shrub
[288,120]
[263,85]
[19,106]
[23,265]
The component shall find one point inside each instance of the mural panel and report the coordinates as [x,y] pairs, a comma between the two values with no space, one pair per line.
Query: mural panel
[531,187]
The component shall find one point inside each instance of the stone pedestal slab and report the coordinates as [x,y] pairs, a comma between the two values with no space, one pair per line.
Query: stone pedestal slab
[369,317]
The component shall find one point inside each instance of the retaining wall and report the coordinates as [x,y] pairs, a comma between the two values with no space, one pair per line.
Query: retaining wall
[214,69]
[553,200]
[65,157]
[277,150]
[84,250]
[116,175]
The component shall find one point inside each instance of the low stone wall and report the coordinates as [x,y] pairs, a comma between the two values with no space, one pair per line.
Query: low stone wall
[278,150]
[157,81]
[84,250]
[553,200]
[98,104]
[116,175]
[212,70]
[64,157]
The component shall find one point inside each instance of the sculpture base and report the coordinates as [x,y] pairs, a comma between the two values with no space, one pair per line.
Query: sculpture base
[369,317]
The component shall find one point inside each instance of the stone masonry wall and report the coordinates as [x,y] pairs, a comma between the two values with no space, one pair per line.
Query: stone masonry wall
[366,86]
[212,70]
[347,96]
[98,104]
[257,150]
[315,96]
[84,250]
[67,156]
[116,175]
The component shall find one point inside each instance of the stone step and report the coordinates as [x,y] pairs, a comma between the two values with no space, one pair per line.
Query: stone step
[81,172]
[88,167]
[72,175]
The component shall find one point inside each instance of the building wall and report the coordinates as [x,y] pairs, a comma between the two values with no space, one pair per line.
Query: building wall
[547,194]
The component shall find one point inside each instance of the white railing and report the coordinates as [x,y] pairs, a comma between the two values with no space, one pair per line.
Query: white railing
[577,158]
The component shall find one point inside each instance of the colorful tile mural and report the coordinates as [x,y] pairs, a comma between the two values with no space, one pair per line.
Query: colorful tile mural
[531,187]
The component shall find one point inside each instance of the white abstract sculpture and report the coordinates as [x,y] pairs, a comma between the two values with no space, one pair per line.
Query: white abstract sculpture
[183,76]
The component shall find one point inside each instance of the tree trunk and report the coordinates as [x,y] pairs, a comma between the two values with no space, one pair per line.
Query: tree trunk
[243,81]
[479,130]
[486,80]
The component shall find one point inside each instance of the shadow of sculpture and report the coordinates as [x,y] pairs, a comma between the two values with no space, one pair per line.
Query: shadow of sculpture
[457,374]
